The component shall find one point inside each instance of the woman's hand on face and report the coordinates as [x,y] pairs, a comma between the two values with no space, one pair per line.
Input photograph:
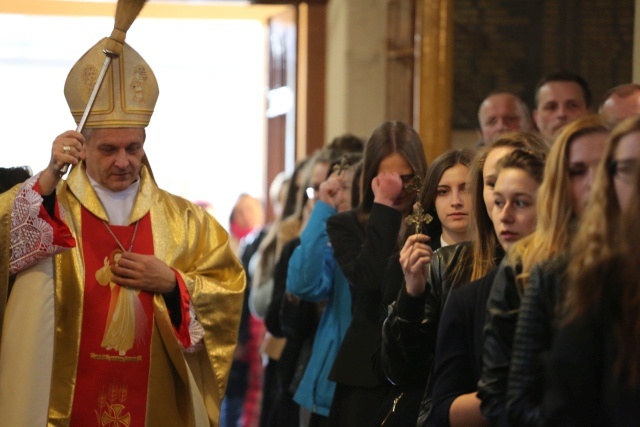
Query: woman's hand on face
[387,187]
[330,190]
[415,257]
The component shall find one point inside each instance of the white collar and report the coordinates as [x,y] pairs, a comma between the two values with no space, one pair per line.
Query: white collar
[117,204]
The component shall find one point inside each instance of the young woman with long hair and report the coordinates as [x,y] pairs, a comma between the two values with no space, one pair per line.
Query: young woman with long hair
[486,252]
[363,242]
[314,277]
[446,198]
[569,172]
[594,364]
[583,143]
[611,193]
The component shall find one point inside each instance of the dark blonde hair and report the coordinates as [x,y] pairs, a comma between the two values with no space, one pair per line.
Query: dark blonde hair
[611,280]
[554,207]
[532,162]
[485,243]
[596,235]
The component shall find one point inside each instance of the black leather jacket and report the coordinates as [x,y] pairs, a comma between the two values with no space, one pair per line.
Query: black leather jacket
[535,330]
[502,313]
[582,387]
[409,331]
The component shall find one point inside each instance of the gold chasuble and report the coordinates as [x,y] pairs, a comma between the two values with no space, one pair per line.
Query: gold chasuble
[117,361]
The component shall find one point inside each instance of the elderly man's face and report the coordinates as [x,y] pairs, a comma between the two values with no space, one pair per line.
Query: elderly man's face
[558,104]
[114,156]
[501,113]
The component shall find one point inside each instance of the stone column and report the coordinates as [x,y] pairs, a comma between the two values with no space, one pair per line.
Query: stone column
[355,97]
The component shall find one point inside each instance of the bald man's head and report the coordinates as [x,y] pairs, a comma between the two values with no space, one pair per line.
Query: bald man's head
[621,102]
[501,112]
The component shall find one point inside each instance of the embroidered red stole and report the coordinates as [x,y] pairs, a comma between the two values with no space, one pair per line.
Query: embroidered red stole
[115,343]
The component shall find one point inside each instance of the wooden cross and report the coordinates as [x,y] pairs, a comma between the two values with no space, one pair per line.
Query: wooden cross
[344,165]
[418,217]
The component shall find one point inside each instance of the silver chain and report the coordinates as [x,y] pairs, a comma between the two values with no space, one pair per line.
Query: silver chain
[133,238]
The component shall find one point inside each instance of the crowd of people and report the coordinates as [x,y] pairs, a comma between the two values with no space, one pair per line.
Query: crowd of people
[494,287]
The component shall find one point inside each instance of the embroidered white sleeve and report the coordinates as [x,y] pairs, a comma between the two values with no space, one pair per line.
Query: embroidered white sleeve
[31,236]
[196,331]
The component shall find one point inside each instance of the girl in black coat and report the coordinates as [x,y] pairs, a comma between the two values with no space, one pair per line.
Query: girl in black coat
[576,155]
[594,365]
[364,241]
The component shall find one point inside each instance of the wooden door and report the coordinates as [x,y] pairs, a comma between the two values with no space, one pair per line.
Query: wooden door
[281,97]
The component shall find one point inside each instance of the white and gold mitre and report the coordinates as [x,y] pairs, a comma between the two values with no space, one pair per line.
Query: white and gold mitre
[128,93]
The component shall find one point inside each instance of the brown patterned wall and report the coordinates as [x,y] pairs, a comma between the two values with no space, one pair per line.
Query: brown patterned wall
[509,45]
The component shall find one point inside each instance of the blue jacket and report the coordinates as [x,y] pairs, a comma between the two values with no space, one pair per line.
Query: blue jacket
[314,276]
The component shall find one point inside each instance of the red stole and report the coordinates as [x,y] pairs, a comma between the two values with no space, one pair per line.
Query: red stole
[115,342]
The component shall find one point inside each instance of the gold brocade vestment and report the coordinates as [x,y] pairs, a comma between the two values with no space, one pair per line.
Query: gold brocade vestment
[182,386]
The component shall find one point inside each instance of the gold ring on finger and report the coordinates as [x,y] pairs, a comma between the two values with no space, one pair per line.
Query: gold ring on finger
[66,149]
